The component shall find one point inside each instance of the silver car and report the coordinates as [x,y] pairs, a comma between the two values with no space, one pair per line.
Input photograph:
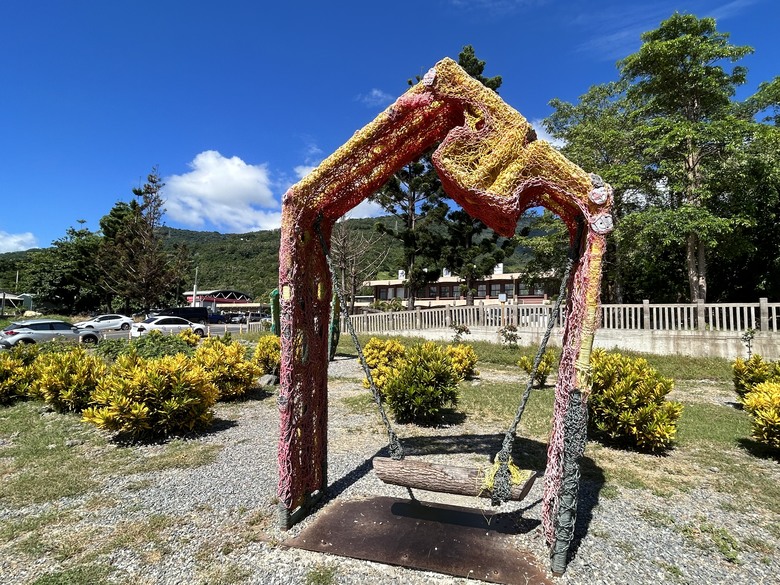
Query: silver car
[103,322]
[39,330]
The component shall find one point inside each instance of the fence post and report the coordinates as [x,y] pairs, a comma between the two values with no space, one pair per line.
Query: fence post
[646,314]
[417,318]
[701,324]
[448,316]
[481,317]
[763,310]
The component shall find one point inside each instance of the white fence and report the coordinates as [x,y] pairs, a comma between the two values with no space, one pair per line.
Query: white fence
[714,329]
[760,316]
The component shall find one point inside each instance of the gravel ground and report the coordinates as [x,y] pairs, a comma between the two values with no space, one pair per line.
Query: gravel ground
[217,523]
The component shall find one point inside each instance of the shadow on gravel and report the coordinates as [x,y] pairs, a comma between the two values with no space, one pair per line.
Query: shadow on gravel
[259,393]
[759,450]
[591,483]
[527,453]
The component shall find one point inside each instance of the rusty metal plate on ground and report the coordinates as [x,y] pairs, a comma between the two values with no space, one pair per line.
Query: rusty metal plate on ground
[452,540]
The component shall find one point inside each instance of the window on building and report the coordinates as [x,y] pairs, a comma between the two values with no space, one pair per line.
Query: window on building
[495,289]
[382,294]
[481,290]
[446,291]
[433,291]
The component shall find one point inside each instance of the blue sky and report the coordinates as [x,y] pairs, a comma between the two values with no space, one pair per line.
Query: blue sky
[234,100]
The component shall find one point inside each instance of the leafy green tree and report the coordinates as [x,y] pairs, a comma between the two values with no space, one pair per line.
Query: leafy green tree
[134,263]
[594,135]
[667,136]
[749,187]
[65,278]
[545,241]
[413,195]
[472,250]
[683,97]
[468,60]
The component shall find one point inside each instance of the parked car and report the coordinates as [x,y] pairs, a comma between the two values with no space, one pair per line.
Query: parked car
[194,314]
[166,325]
[238,318]
[40,330]
[103,322]
[217,318]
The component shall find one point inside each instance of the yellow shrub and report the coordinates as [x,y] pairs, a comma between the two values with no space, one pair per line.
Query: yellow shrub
[190,337]
[763,405]
[226,364]
[383,357]
[546,364]
[66,379]
[627,404]
[268,354]
[464,360]
[13,382]
[751,372]
[149,398]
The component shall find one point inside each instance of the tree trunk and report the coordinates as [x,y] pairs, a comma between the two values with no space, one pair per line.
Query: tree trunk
[433,477]
[696,260]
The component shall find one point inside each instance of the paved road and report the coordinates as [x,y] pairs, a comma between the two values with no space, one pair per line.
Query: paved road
[214,330]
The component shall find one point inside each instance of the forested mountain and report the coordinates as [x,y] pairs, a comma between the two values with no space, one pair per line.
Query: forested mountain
[245,262]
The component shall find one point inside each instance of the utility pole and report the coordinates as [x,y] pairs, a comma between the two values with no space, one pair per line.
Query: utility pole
[195,288]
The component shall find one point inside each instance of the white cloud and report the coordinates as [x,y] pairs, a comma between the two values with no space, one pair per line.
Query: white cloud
[16,242]
[497,7]
[366,208]
[542,134]
[302,170]
[730,9]
[376,97]
[225,193]
[615,33]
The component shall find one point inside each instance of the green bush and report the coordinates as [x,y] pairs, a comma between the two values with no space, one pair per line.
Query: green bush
[232,374]
[751,372]
[268,355]
[154,345]
[627,405]
[762,403]
[509,335]
[110,349]
[151,398]
[66,379]
[549,358]
[424,384]
[383,356]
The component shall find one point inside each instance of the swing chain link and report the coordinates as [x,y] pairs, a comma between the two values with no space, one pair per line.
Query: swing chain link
[502,482]
[394,445]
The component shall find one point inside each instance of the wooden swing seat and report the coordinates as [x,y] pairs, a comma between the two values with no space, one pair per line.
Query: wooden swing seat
[448,479]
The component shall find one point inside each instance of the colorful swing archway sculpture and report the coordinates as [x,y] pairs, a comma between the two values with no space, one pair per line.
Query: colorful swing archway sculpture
[491,164]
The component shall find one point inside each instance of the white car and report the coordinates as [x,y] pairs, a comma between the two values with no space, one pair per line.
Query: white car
[166,325]
[103,322]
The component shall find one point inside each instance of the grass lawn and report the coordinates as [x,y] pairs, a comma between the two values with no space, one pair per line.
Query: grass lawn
[46,457]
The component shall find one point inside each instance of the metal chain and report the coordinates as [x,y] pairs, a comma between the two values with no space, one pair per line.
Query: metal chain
[394,445]
[502,480]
